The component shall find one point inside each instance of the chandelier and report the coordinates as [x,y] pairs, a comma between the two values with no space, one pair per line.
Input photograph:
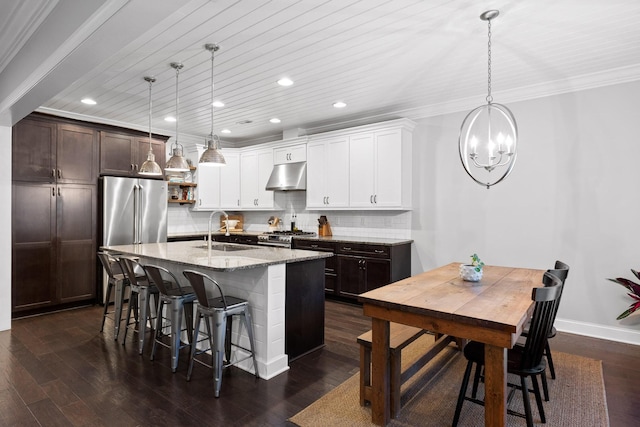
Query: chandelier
[489,135]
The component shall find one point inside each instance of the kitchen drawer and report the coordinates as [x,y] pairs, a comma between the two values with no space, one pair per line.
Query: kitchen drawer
[314,245]
[360,249]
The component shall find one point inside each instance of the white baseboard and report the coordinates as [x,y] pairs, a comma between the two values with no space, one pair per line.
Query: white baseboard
[598,331]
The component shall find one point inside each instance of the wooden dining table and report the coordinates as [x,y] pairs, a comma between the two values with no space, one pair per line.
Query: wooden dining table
[493,311]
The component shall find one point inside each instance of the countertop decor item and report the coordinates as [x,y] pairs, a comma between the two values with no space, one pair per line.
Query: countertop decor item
[472,272]
[150,167]
[634,293]
[489,134]
[212,156]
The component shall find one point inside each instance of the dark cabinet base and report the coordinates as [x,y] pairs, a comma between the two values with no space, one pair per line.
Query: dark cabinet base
[304,307]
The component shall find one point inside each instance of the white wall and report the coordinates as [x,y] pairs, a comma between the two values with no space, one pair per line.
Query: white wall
[573,196]
[5,230]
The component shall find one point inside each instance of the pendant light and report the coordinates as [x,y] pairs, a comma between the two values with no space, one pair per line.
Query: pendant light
[150,167]
[177,162]
[489,135]
[212,156]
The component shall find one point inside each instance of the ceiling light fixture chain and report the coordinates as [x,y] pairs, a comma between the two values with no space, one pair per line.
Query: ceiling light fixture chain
[489,134]
[489,97]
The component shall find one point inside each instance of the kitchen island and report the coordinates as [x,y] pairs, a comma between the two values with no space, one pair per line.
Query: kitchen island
[284,287]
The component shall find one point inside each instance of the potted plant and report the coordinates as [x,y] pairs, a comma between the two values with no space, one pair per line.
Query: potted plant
[635,293]
[472,272]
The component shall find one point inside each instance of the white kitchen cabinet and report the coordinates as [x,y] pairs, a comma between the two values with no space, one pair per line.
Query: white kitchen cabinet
[379,164]
[230,182]
[255,169]
[219,186]
[328,173]
[290,154]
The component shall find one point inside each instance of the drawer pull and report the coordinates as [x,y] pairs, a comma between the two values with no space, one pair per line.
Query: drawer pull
[314,246]
[345,248]
[379,251]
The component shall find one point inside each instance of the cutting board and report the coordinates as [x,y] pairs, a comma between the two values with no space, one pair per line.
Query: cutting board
[239,226]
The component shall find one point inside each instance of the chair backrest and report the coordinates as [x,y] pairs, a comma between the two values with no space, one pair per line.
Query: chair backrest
[197,281]
[165,280]
[110,263]
[546,300]
[128,265]
[561,266]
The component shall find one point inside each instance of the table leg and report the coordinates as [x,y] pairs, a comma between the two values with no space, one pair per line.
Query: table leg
[380,382]
[495,408]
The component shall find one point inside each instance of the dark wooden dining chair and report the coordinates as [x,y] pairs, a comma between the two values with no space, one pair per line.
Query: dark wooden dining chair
[524,361]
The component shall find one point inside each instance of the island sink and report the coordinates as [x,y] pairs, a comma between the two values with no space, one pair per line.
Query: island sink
[226,248]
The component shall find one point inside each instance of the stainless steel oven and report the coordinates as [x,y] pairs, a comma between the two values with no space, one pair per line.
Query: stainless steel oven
[281,239]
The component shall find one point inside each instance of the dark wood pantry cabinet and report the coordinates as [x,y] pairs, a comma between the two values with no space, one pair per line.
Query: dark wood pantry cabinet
[54,204]
[56,163]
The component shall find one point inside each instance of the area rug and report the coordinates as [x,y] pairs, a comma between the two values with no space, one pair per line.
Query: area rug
[577,395]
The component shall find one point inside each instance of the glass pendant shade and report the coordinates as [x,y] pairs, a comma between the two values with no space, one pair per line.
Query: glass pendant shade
[488,143]
[488,139]
[150,167]
[212,156]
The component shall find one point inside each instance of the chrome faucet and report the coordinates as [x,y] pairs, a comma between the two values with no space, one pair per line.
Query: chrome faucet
[210,226]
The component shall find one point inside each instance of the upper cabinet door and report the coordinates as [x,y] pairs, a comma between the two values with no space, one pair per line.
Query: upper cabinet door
[337,178]
[316,175]
[290,154]
[255,169]
[208,187]
[116,154]
[230,181]
[77,155]
[34,151]
[361,170]
[388,168]
[265,167]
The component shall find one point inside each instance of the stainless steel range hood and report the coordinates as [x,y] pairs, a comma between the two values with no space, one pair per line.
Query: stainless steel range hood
[288,177]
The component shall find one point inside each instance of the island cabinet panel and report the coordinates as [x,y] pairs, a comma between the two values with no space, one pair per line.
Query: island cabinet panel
[304,308]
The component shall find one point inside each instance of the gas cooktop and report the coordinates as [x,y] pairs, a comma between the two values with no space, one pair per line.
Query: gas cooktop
[291,233]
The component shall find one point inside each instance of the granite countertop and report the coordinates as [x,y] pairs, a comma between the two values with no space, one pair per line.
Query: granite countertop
[215,233]
[351,239]
[194,253]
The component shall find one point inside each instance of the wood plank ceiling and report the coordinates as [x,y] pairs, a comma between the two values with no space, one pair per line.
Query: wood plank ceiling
[384,58]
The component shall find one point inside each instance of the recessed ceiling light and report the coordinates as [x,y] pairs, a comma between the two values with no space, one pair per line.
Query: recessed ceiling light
[218,104]
[170,119]
[339,104]
[285,81]
[275,120]
[88,101]
[225,131]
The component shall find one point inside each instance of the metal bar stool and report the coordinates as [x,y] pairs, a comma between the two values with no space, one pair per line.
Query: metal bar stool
[119,281]
[141,291]
[180,301]
[215,311]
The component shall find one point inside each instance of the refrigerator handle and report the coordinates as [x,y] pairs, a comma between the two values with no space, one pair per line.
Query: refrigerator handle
[135,214]
[139,213]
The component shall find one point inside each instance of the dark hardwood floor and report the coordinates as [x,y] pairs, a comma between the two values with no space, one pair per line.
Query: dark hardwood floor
[59,370]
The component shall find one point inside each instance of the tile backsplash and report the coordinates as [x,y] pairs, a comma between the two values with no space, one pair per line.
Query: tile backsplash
[388,224]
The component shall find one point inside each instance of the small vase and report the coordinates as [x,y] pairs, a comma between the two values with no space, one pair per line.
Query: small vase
[468,273]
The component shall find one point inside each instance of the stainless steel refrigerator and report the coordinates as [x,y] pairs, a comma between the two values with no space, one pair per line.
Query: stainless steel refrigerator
[134,210]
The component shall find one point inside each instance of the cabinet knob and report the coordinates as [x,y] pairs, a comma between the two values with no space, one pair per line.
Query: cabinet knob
[53,191]
[131,166]
[59,174]
[59,192]
[53,173]
[371,199]
[375,198]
